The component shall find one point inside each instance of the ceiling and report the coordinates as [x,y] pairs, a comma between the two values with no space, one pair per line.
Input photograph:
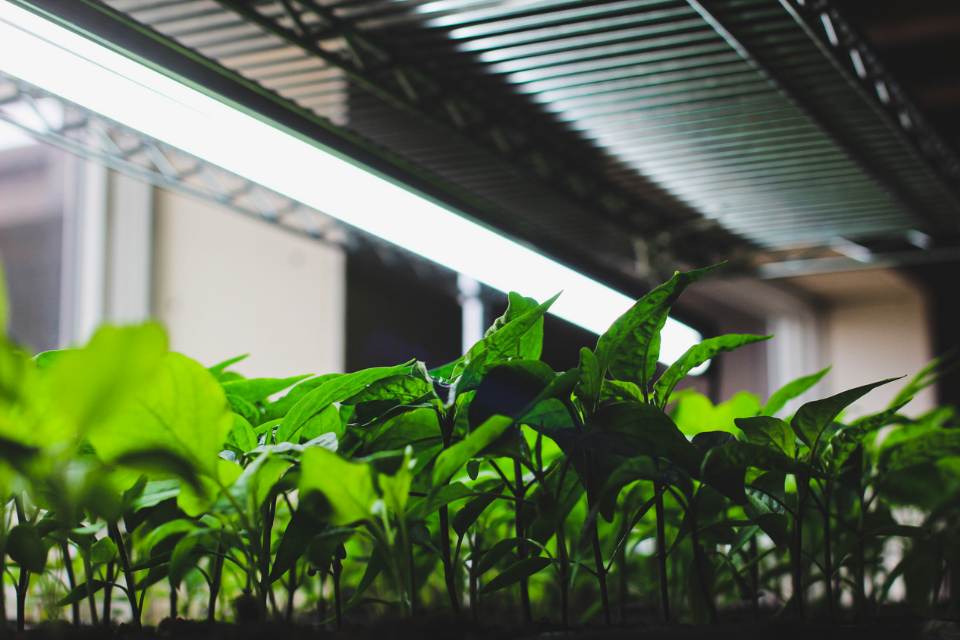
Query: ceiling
[626,137]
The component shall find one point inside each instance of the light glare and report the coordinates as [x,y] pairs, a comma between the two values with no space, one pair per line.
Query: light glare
[96,78]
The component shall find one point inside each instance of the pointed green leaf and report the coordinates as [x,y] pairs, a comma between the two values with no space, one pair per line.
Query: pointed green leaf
[812,418]
[790,391]
[769,432]
[697,355]
[456,456]
[493,555]
[725,467]
[507,341]
[630,333]
[277,410]
[347,486]
[259,389]
[471,511]
[333,390]
[242,436]
[515,573]
[301,529]
[531,342]
[79,593]
[402,389]
[104,550]
[590,380]
[927,446]
[218,369]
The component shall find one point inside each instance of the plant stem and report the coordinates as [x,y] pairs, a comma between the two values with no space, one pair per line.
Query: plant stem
[337,570]
[265,557]
[662,548]
[595,538]
[88,575]
[24,581]
[828,553]
[71,580]
[755,576]
[698,559]
[518,494]
[413,579]
[291,590]
[128,575]
[108,593]
[446,432]
[322,600]
[564,577]
[802,487]
[215,580]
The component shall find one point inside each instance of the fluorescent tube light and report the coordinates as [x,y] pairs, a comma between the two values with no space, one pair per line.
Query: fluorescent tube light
[95,77]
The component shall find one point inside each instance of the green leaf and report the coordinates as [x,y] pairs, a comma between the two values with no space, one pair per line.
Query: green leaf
[509,389]
[442,496]
[697,355]
[79,593]
[322,547]
[927,446]
[277,410]
[590,380]
[347,486]
[769,432]
[694,413]
[333,390]
[473,469]
[183,411]
[103,550]
[327,421]
[634,429]
[376,564]
[25,547]
[259,389]
[725,467]
[89,386]
[812,418]
[790,391]
[531,342]
[301,529]
[183,558]
[402,389]
[515,573]
[247,409]
[162,462]
[472,510]
[696,598]
[493,555]
[629,336]
[450,460]
[617,391]
[242,436]
[507,341]
[217,369]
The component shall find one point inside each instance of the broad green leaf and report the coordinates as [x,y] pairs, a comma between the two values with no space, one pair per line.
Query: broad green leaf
[333,390]
[277,410]
[162,461]
[195,503]
[259,389]
[104,550]
[242,436]
[617,391]
[375,565]
[217,369]
[531,342]
[725,467]
[88,387]
[928,446]
[327,421]
[632,429]
[694,357]
[507,341]
[706,440]
[635,360]
[184,557]
[812,418]
[473,468]
[471,511]
[301,529]
[590,380]
[183,410]
[694,413]
[246,409]
[772,523]
[769,432]
[403,389]
[255,484]
[347,486]
[515,573]
[24,546]
[790,391]
[324,545]
[493,555]
[845,441]
[456,456]
[410,427]
[631,332]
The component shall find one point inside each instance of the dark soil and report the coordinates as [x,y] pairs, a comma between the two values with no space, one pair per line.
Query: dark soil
[441,628]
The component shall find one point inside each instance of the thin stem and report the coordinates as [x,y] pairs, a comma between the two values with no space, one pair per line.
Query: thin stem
[521,545]
[802,488]
[337,570]
[3,566]
[128,575]
[265,557]
[564,576]
[71,580]
[661,546]
[24,582]
[699,557]
[108,593]
[755,576]
[446,431]
[828,554]
[88,575]
[215,580]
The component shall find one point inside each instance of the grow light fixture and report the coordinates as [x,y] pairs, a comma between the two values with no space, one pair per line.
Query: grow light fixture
[97,78]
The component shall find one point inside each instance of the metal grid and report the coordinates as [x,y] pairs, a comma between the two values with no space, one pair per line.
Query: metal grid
[600,126]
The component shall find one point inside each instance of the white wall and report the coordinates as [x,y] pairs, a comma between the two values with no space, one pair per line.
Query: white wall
[875,326]
[226,284]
